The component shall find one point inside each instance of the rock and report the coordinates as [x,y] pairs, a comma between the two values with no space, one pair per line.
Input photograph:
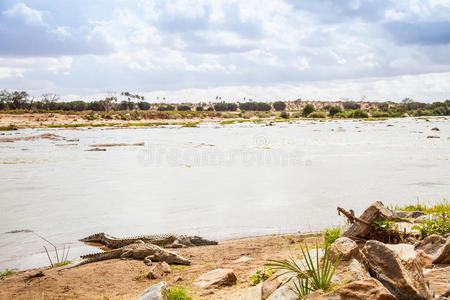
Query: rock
[369,289]
[435,129]
[425,260]
[438,247]
[349,270]
[154,292]
[321,295]
[242,259]
[433,137]
[216,277]
[158,270]
[407,251]
[346,247]
[401,275]
[269,286]
[283,293]
[439,280]
[373,212]
[178,278]
[422,218]
[207,293]
[96,149]
[253,293]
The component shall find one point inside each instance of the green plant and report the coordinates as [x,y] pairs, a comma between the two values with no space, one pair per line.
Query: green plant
[176,293]
[378,223]
[309,108]
[330,235]
[284,115]
[261,275]
[314,274]
[279,105]
[63,263]
[9,127]
[439,224]
[317,114]
[439,207]
[190,124]
[7,273]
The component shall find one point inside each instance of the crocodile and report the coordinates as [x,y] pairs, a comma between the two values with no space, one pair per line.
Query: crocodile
[139,250]
[162,240]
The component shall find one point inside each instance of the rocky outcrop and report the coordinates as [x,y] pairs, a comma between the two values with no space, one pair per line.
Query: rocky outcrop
[439,279]
[401,274]
[154,292]
[321,295]
[159,270]
[438,247]
[283,293]
[369,289]
[269,286]
[218,277]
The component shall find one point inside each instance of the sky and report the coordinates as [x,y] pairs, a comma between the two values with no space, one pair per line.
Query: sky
[184,50]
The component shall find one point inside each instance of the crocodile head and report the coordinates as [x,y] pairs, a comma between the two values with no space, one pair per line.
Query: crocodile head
[199,241]
[98,237]
[173,258]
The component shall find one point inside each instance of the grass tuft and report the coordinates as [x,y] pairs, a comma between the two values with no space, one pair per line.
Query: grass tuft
[7,272]
[442,206]
[176,293]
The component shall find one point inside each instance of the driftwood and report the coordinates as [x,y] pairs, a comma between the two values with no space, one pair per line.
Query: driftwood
[372,232]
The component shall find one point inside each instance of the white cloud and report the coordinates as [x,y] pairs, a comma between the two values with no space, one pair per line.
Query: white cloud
[18,67]
[29,15]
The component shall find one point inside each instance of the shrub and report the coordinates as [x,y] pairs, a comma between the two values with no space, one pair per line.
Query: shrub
[380,114]
[7,273]
[357,114]
[330,235]
[176,293]
[334,110]
[279,105]
[284,115]
[199,108]
[440,224]
[222,106]
[166,108]
[255,106]
[183,108]
[309,108]
[8,128]
[351,105]
[317,114]
[143,105]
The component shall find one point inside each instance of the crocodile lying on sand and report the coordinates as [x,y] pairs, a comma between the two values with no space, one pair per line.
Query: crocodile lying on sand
[162,240]
[139,250]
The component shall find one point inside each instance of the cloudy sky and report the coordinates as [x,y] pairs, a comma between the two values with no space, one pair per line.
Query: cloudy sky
[197,50]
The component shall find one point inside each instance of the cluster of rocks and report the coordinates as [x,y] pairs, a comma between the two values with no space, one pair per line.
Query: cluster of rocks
[368,270]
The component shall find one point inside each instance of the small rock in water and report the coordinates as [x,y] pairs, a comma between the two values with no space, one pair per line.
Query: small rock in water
[433,137]
[435,129]
[96,149]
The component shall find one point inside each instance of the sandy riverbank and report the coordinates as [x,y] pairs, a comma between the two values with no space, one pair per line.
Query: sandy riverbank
[123,279]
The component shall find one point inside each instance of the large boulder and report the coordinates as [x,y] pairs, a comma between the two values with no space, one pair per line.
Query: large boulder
[352,265]
[321,295]
[438,247]
[158,270]
[270,285]
[372,213]
[401,275]
[369,289]
[216,277]
[439,279]
[154,292]
[283,293]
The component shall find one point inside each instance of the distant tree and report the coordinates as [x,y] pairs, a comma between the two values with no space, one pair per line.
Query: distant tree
[255,106]
[199,108]
[222,106]
[349,105]
[309,108]
[383,106]
[279,105]
[166,108]
[334,110]
[143,105]
[183,108]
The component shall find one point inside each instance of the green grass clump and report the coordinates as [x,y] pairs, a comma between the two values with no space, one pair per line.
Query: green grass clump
[7,273]
[227,122]
[439,207]
[8,128]
[190,124]
[440,225]
[63,263]
[176,293]
[313,275]
[330,235]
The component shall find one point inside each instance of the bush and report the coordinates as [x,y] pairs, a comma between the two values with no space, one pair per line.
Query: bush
[222,106]
[279,105]
[166,108]
[440,225]
[183,108]
[284,115]
[309,108]
[334,110]
[199,108]
[330,235]
[380,114]
[357,114]
[317,114]
[143,105]
[255,106]
[176,293]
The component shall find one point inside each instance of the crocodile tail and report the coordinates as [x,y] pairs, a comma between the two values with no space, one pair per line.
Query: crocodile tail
[89,258]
